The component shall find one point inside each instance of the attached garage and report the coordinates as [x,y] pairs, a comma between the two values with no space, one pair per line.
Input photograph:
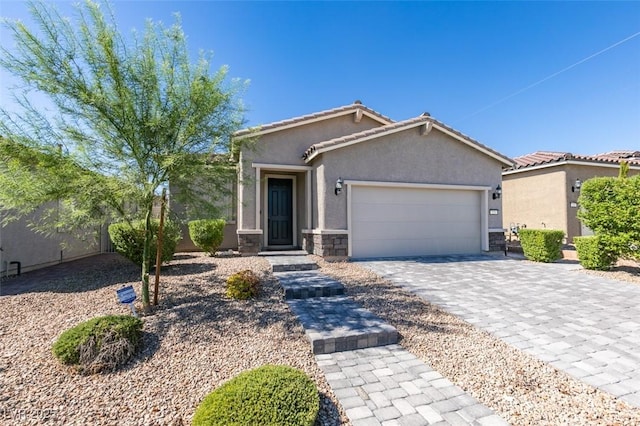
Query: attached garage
[415,220]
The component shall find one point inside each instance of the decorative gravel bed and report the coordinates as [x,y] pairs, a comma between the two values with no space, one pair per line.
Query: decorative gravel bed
[520,388]
[195,340]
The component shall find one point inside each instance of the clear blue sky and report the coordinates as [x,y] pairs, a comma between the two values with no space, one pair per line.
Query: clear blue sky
[451,59]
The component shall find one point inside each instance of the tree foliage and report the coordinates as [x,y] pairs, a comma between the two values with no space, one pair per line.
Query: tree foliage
[126,115]
[611,208]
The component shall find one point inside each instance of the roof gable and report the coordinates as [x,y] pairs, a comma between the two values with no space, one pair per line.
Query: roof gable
[424,120]
[356,108]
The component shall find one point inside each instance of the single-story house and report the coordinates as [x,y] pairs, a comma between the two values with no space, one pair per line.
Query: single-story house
[351,182]
[541,190]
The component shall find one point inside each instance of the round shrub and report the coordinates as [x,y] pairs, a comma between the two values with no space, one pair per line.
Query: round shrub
[100,344]
[268,395]
[592,254]
[128,240]
[207,234]
[541,245]
[243,285]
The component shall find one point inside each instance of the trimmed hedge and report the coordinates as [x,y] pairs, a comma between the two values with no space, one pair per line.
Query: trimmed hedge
[129,241]
[268,395]
[541,245]
[102,343]
[243,285]
[207,234]
[592,253]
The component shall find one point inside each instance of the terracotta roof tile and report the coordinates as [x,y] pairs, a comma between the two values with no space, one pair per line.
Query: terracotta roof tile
[547,157]
[301,119]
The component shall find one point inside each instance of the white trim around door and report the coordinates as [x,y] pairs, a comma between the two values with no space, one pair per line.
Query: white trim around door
[265,208]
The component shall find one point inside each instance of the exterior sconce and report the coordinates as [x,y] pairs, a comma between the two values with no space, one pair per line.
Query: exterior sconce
[576,186]
[339,183]
[497,193]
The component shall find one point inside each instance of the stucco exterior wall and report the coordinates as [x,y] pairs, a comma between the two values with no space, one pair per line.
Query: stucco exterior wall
[34,251]
[543,198]
[537,199]
[409,157]
[286,147]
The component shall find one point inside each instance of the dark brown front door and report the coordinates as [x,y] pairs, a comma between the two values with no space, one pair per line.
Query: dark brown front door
[280,215]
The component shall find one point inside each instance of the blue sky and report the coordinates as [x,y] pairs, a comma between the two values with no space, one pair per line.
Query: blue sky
[452,59]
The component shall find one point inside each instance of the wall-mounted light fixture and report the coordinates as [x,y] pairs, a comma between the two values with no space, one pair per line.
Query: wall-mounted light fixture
[576,186]
[339,183]
[497,193]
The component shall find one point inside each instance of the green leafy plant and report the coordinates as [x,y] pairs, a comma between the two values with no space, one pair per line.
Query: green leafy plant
[243,285]
[100,344]
[592,253]
[207,234]
[268,395]
[611,208]
[128,240]
[541,245]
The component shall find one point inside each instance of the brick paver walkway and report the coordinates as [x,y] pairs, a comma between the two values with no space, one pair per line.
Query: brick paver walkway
[586,325]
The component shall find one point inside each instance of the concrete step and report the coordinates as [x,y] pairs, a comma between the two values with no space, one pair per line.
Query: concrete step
[336,324]
[305,284]
[291,263]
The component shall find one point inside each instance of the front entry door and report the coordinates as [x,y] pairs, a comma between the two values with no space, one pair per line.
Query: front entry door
[280,214]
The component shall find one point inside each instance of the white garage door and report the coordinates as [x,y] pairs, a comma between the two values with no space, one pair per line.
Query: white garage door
[392,221]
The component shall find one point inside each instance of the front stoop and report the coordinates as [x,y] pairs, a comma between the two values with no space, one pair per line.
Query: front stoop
[305,284]
[336,324]
[286,263]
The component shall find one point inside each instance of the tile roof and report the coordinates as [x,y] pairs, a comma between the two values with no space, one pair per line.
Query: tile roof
[356,105]
[395,127]
[549,157]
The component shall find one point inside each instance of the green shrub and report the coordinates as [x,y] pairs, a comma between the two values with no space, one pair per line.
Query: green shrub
[592,253]
[207,234]
[243,285]
[268,395]
[541,245]
[129,240]
[100,344]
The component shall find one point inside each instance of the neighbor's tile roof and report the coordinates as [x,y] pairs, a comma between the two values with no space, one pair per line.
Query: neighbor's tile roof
[397,126]
[317,115]
[548,157]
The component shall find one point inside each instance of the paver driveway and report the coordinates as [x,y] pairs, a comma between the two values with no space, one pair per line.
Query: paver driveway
[583,324]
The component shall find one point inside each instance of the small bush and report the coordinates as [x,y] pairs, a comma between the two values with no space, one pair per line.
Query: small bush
[129,240]
[243,285]
[207,234]
[541,245]
[100,344]
[268,395]
[592,254]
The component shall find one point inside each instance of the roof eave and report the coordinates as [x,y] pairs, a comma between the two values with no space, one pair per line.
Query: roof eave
[364,110]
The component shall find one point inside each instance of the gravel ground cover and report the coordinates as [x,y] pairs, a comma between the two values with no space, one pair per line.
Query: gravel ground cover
[195,340]
[520,388]
[624,270]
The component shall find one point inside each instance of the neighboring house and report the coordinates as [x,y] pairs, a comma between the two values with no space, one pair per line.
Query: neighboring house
[351,182]
[542,189]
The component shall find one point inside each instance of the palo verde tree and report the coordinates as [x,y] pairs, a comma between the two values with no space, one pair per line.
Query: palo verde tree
[611,208]
[122,117]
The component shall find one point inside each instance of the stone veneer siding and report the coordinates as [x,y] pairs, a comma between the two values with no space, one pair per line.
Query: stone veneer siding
[325,245]
[249,244]
[497,241]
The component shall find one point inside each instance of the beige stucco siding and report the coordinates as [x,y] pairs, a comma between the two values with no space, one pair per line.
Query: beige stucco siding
[286,147]
[537,200]
[542,198]
[34,250]
[409,157]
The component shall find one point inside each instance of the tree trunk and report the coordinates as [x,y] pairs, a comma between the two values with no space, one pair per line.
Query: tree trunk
[159,248]
[145,260]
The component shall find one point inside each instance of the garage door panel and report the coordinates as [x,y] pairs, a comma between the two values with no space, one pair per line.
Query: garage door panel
[414,221]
